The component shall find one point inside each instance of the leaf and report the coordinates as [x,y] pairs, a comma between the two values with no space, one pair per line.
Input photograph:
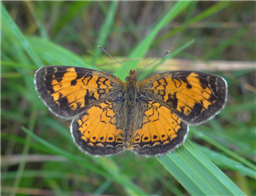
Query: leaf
[111,170]
[141,49]
[196,173]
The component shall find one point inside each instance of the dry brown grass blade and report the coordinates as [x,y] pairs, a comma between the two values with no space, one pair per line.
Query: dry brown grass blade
[178,64]
[15,159]
[31,191]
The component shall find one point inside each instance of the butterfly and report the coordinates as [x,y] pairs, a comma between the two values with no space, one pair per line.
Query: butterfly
[149,118]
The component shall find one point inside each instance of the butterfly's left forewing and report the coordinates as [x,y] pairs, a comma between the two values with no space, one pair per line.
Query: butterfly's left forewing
[195,97]
[68,91]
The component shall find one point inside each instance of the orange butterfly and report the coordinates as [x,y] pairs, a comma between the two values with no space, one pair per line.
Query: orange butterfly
[149,118]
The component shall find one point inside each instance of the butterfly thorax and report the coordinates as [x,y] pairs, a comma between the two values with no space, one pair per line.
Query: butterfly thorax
[131,88]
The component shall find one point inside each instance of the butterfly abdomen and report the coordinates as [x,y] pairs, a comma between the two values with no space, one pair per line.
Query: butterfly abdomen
[131,89]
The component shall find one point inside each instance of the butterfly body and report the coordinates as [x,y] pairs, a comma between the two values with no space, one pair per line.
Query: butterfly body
[149,118]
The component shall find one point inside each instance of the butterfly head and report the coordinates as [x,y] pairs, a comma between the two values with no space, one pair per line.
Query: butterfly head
[132,77]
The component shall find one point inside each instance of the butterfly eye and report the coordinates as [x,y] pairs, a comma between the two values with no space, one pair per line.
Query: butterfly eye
[119,98]
[126,78]
[141,97]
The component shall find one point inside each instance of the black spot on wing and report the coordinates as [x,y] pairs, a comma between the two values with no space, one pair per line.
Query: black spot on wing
[73,82]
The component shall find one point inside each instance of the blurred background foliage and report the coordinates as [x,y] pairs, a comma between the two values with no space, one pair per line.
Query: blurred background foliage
[38,155]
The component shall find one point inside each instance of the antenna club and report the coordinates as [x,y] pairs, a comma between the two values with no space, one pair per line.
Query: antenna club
[168,52]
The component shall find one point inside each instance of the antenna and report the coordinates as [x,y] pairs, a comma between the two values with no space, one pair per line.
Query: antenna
[112,57]
[153,62]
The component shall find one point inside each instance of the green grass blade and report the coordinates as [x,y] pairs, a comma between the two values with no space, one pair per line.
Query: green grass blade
[103,187]
[15,31]
[196,173]
[145,44]
[16,139]
[111,170]
[105,30]
[14,64]
[74,9]
[203,135]
[34,11]
[174,53]
[25,152]
[226,162]
[59,151]
[226,43]
[231,109]
[53,54]
[209,12]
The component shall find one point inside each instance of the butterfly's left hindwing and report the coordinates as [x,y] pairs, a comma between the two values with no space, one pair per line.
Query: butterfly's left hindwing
[99,130]
[68,91]
[195,97]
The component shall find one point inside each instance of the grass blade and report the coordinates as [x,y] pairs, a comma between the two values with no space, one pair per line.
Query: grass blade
[196,173]
[204,136]
[209,12]
[111,169]
[6,19]
[144,45]
[34,12]
[55,55]
[74,9]
[174,53]
[105,30]
[226,162]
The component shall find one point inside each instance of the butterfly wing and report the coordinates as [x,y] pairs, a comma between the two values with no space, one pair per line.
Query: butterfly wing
[157,129]
[68,91]
[194,97]
[99,130]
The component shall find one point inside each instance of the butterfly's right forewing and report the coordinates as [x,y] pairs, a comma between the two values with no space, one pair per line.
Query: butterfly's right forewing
[195,97]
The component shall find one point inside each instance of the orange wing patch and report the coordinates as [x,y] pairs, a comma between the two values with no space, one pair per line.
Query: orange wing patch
[160,132]
[187,95]
[76,89]
[95,131]
[194,96]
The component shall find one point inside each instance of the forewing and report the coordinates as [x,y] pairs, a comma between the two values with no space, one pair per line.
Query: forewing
[98,131]
[193,96]
[68,91]
[157,130]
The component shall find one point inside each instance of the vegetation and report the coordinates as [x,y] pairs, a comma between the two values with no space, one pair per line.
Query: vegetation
[38,155]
